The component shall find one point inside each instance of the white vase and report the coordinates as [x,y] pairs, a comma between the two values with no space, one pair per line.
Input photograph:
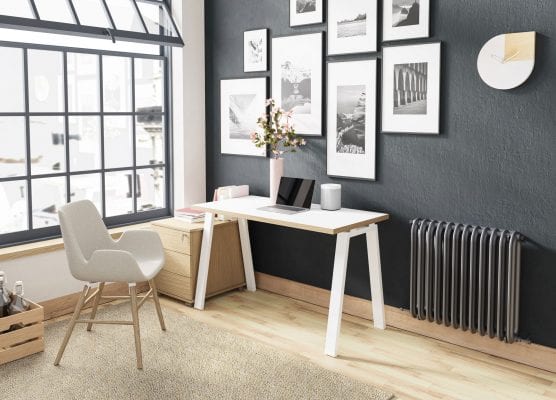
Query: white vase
[276,172]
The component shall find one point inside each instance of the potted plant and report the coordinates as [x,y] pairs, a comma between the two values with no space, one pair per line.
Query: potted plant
[279,135]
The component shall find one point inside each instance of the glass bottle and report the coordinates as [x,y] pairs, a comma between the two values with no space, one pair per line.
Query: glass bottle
[4,300]
[18,304]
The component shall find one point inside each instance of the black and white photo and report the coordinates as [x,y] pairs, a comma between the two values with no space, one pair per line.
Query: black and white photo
[297,80]
[405,19]
[306,12]
[350,116]
[242,104]
[352,26]
[411,88]
[255,50]
[351,119]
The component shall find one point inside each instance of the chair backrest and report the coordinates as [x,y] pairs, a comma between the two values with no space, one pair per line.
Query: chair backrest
[83,232]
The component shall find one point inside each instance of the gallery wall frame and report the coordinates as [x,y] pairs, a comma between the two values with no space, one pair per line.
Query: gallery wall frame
[307,124]
[415,98]
[260,65]
[391,31]
[359,36]
[358,160]
[307,17]
[235,139]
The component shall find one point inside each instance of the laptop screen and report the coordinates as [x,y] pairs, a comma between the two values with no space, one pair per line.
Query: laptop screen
[295,192]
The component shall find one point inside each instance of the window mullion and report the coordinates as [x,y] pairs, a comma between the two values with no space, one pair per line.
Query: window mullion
[27,140]
[109,14]
[134,123]
[66,124]
[35,10]
[74,12]
[102,166]
[140,16]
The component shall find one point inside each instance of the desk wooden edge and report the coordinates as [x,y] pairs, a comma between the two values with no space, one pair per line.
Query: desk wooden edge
[295,225]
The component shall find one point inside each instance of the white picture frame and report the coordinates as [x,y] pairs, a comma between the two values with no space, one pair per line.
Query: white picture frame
[242,102]
[352,26]
[411,89]
[255,50]
[401,21]
[306,12]
[297,79]
[351,121]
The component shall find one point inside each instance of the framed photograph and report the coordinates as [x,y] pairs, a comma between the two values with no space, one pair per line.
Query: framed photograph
[352,26]
[242,103]
[255,50]
[351,138]
[405,19]
[297,80]
[306,12]
[411,89]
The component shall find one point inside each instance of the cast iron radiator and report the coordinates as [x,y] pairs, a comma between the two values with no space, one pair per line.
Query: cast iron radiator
[466,277]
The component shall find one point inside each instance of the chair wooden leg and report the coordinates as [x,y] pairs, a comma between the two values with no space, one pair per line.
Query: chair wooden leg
[157,304]
[135,317]
[95,305]
[72,323]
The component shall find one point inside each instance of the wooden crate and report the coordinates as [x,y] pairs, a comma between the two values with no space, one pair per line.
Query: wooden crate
[25,341]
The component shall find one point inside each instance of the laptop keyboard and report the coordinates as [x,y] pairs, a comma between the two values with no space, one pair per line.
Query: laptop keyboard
[281,209]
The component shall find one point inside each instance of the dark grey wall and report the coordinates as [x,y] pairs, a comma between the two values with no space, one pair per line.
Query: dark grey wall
[493,164]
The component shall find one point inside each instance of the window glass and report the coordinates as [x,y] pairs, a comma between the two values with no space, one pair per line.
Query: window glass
[78,41]
[87,187]
[84,140]
[150,189]
[17,8]
[116,84]
[118,141]
[119,189]
[54,10]
[13,206]
[46,81]
[91,13]
[125,15]
[156,18]
[11,80]
[83,83]
[149,139]
[149,85]
[49,194]
[12,147]
[48,145]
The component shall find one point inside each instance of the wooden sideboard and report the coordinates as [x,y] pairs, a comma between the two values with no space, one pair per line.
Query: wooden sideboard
[182,247]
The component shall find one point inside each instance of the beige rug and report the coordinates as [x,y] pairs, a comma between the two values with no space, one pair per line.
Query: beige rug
[190,361]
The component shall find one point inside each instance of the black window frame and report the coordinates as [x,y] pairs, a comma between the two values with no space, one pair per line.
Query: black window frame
[46,233]
[110,32]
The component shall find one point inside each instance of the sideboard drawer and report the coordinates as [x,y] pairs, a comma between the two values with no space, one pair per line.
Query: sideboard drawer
[174,285]
[178,263]
[178,241]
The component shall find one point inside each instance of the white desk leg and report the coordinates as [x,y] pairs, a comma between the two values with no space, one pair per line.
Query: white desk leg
[204,262]
[337,294]
[247,256]
[375,272]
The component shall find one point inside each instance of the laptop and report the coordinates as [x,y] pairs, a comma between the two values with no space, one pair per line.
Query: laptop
[294,196]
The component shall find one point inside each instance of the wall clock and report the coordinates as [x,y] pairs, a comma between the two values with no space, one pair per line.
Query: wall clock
[506,61]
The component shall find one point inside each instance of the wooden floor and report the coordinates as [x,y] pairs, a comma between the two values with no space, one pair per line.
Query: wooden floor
[410,366]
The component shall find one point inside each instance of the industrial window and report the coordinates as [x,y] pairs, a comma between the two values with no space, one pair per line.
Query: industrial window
[80,124]
[146,21]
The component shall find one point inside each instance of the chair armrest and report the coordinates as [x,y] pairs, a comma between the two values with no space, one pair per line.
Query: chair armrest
[114,266]
[143,244]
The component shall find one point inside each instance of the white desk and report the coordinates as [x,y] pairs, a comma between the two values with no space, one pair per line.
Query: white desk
[345,223]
